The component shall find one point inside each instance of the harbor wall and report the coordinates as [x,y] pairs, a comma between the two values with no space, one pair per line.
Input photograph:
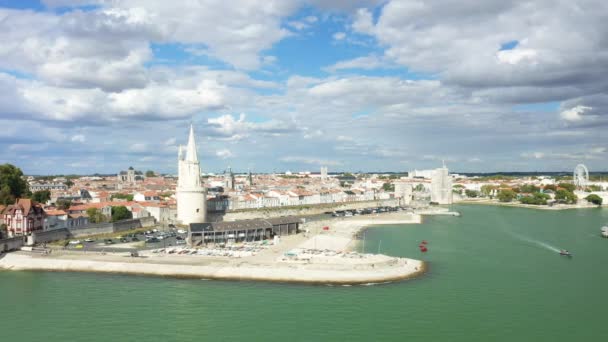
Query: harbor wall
[11,244]
[91,229]
[297,211]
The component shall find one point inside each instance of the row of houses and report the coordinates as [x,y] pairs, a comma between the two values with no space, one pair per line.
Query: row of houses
[294,197]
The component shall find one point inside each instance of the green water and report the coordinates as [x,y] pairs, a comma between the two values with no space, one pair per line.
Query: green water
[488,281]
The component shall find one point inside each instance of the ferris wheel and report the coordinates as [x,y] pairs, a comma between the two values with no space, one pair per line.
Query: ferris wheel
[581,176]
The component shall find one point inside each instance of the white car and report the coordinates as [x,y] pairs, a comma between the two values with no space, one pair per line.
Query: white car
[74,242]
[89,240]
[181,231]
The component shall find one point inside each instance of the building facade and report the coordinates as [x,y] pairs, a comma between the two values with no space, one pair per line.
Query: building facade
[191,194]
[24,217]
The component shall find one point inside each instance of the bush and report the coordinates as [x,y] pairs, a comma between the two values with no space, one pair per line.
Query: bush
[565,196]
[535,199]
[595,199]
[471,193]
[506,195]
[568,186]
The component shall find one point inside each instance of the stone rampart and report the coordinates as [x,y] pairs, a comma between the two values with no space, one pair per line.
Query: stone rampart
[297,211]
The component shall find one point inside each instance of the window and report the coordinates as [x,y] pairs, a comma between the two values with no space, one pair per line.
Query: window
[197,210]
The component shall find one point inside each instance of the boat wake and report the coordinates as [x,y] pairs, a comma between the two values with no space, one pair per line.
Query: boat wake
[535,242]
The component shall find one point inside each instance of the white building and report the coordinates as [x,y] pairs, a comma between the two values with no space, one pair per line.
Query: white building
[441,186]
[323,173]
[191,193]
[404,192]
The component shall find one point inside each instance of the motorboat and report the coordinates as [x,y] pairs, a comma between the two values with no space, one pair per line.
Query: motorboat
[605,231]
[424,242]
[565,253]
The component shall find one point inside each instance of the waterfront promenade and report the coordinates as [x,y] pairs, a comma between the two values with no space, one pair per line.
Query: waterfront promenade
[330,258]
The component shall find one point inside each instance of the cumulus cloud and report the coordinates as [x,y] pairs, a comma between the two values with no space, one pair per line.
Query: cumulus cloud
[224,154]
[575,113]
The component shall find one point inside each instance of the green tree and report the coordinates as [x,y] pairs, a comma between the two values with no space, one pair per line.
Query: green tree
[41,196]
[150,173]
[95,215]
[595,199]
[565,196]
[63,204]
[487,189]
[471,193]
[388,187]
[121,213]
[12,184]
[506,195]
[593,187]
[568,186]
[69,183]
[536,198]
[419,188]
[127,197]
[529,189]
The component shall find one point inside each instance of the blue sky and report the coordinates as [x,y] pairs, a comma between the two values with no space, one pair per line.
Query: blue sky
[366,85]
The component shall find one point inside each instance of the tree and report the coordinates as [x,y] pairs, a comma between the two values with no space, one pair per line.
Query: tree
[487,189]
[388,187]
[63,204]
[595,199]
[69,183]
[150,173]
[537,198]
[419,188]
[95,215]
[593,187]
[127,197]
[471,193]
[121,213]
[506,195]
[568,186]
[529,189]
[41,196]
[565,196]
[12,184]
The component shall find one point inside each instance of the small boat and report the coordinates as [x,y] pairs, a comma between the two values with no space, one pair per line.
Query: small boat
[605,231]
[424,242]
[565,253]
[423,249]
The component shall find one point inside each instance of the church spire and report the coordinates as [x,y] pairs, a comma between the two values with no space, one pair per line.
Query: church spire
[191,148]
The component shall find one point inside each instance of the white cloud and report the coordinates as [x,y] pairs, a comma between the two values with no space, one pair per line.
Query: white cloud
[224,154]
[365,63]
[339,35]
[310,160]
[516,56]
[575,113]
[78,138]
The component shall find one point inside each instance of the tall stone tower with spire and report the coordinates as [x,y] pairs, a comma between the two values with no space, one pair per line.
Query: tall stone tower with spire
[191,193]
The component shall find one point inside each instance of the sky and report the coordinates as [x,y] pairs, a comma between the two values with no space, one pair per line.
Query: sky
[96,86]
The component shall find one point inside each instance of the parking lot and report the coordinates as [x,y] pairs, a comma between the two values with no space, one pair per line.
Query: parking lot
[150,239]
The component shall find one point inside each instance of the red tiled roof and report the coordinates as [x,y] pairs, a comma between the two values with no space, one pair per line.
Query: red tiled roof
[55,212]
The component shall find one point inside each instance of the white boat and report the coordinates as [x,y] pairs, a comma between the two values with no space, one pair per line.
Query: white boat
[605,231]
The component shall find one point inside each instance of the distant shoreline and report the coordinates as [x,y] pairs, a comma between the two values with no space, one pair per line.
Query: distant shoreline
[528,206]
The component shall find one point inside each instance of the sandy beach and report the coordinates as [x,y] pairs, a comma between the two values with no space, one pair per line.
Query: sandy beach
[316,256]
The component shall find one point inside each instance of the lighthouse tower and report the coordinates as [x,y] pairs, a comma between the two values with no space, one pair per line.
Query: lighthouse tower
[191,193]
